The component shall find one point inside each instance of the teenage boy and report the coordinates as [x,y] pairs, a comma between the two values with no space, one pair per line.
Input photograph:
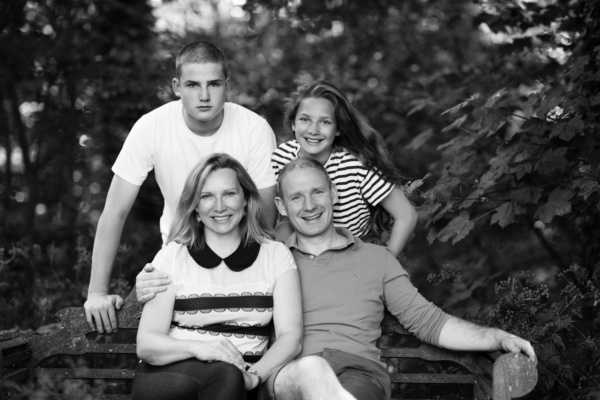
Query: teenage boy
[172,139]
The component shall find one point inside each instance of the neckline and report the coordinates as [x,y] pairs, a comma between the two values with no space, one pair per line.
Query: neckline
[242,258]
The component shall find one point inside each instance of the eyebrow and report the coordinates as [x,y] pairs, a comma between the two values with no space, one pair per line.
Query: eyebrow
[210,81]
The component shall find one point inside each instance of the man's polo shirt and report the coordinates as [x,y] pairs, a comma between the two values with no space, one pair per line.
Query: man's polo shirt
[345,291]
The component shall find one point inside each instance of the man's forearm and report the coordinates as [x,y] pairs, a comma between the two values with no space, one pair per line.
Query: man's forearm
[458,334]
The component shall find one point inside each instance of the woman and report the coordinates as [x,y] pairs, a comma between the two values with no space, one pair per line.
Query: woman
[328,129]
[197,338]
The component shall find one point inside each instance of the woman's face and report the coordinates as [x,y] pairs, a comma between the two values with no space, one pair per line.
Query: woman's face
[315,128]
[222,203]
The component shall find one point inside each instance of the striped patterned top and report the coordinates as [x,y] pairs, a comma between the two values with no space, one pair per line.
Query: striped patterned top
[358,187]
[218,302]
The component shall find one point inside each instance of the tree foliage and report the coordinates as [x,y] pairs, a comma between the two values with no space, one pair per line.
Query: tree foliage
[490,109]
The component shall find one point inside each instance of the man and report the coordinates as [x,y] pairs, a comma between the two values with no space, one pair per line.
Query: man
[346,284]
[172,139]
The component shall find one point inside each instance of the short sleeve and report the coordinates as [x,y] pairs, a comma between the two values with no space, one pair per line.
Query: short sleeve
[420,316]
[282,259]
[375,188]
[164,260]
[262,145]
[136,158]
[283,154]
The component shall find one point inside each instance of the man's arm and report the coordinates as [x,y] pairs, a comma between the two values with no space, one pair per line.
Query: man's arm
[100,306]
[267,201]
[457,334]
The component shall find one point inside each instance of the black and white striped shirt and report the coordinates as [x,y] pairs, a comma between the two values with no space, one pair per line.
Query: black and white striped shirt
[357,186]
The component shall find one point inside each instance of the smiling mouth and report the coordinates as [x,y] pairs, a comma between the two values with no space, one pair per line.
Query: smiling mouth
[312,217]
[313,141]
[221,219]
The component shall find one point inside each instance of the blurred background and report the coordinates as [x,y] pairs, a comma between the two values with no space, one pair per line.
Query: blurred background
[490,109]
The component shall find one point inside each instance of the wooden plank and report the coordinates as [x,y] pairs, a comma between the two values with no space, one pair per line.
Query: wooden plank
[433,378]
[16,374]
[514,376]
[14,358]
[12,343]
[111,348]
[82,373]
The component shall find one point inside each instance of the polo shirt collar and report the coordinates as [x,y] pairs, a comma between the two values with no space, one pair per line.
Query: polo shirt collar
[292,241]
[242,258]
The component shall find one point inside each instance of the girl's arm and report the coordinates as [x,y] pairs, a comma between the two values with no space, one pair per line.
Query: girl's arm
[156,347]
[405,219]
[287,316]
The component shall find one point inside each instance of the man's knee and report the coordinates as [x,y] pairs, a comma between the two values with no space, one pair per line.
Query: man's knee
[303,371]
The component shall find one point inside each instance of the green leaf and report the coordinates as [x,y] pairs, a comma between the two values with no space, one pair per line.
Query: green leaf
[586,187]
[558,204]
[457,144]
[456,124]
[495,97]
[419,140]
[457,229]
[492,121]
[465,103]
[504,214]
[568,130]
[551,161]
[527,195]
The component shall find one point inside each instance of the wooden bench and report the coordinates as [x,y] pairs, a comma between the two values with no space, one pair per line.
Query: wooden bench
[32,361]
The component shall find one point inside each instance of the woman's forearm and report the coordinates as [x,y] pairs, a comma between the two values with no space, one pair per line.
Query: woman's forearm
[284,349]
[160,349]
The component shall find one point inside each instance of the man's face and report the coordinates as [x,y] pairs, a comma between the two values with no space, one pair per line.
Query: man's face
[307,201]
[203,91]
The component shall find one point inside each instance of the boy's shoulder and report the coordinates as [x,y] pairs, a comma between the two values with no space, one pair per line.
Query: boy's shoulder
[235,111]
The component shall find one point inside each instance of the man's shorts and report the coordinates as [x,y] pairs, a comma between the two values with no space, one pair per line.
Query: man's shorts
[363,378]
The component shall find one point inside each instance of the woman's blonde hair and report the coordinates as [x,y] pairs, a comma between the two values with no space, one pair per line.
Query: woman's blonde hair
[186,229]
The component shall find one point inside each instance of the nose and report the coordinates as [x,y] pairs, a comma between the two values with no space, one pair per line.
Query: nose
[219,205]
[309,203]
[204,94]
[313,128]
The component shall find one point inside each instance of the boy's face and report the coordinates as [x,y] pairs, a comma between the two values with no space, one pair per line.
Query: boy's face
[203,90]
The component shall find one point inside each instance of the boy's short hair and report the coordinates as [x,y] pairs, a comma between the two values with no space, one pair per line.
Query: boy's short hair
[201,53]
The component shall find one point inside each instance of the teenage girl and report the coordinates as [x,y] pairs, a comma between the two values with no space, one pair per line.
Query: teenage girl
[328,129]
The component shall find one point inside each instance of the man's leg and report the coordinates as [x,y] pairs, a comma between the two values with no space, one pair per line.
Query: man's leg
[309,378]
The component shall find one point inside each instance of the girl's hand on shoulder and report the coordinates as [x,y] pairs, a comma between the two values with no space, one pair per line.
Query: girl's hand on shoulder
[219,350]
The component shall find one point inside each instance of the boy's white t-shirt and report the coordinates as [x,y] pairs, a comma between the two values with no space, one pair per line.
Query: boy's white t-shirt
[161,140]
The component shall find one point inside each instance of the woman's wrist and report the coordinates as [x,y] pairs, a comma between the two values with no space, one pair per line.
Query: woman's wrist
[255,377]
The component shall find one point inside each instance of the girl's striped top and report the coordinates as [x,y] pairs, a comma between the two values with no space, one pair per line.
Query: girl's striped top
[357,186]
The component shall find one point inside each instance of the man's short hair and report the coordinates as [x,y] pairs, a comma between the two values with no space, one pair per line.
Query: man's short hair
[201,53]
[301,163]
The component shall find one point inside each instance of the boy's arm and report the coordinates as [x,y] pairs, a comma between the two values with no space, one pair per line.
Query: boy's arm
[100,305]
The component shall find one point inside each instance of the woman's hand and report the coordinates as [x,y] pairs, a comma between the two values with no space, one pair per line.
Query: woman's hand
[250,381]
[219,350]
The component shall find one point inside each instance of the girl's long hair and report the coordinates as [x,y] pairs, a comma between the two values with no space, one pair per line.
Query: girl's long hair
[185,228]
[356,136]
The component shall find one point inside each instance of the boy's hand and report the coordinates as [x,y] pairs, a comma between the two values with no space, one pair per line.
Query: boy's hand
[100,308]
[149,282]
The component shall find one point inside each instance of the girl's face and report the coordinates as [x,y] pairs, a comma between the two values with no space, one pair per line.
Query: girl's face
[222,203]
[315,128]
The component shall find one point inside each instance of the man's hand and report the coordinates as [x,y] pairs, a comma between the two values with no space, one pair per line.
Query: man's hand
[515,344]
[100,307]
[149,282]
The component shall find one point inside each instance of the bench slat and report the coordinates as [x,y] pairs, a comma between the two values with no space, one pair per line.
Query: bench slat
[433,378]
[70,373]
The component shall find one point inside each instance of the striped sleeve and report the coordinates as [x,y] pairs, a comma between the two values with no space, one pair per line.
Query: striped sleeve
[375,188]
[283,154]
